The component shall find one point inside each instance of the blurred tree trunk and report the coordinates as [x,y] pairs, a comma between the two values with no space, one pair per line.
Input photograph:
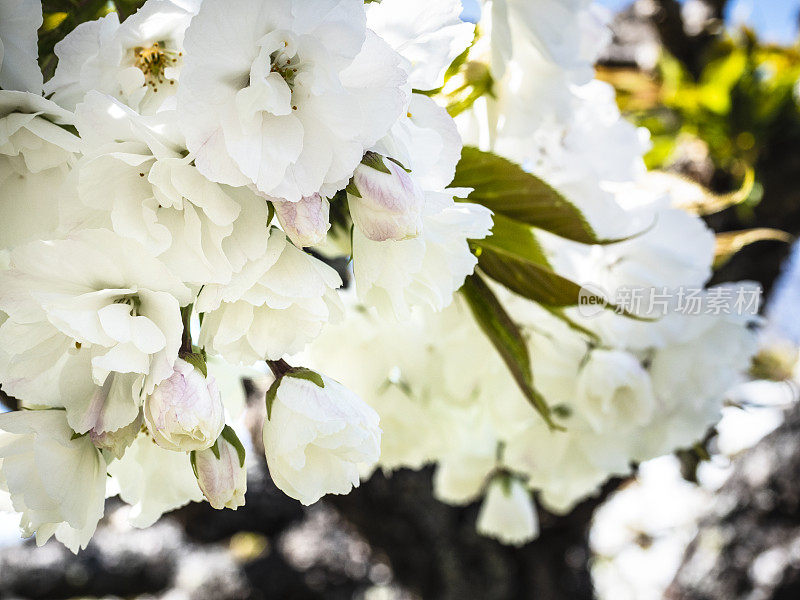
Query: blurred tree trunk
[436,552]
[748,547]
[688,41]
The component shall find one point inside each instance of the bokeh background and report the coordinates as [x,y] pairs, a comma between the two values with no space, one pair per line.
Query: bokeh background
[718,85]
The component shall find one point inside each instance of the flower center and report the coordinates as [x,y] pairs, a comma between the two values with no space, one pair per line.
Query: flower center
[153,61]
[131,300]
[285,66]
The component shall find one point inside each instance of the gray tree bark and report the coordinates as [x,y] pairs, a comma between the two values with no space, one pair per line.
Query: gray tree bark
[748,547]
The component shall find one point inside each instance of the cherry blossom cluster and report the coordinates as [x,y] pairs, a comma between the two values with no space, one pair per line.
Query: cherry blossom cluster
[174,197]
[159,195]
[621,390]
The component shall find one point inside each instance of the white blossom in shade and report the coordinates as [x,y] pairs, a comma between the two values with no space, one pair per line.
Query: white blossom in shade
[614,391]
[221,473]
[153,481]
[460,478]
[36,155]
[316,438]
[274,306]
[185,412]
[56,481]
[572,466]
[508,513]
[19,67]
[306,222]
[394,276]
[113,406]
[712,355]
[413,433]
[429,35]
[286,95]
[136,178]
[90,316]
[385,205]
[118,441]
[137,61]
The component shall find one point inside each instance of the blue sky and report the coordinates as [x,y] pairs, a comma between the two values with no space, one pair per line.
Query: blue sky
[775,20]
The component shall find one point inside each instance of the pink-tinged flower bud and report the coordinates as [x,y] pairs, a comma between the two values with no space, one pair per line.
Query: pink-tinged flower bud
[185,412]
[306,222]
[220,471]
[385,202]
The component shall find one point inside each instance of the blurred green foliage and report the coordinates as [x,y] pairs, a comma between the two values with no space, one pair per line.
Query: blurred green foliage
[744,102]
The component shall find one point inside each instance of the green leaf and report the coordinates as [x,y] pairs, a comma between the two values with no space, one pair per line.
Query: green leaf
[399,164]
[229,435]
[373,160]
[272,392]
[470,81]
[558,313]
[352,189]
[281,370]
[193,461]
[197,360]
[505,188]
[731,242]
[514,257]
[308,375]
[507,339]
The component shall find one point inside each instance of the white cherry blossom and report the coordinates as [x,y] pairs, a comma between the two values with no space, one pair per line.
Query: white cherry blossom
[288,94]
[137,61]
[94,321]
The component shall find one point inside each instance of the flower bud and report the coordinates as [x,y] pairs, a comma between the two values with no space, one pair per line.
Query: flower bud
[507,512]
[614,391]
[185,411]
[116,442]
[306,222]
[220,471]
[385,203]
[317,435]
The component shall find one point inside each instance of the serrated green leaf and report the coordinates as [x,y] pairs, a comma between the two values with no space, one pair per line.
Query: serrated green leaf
[513,256]
[507,189]
[507,339]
